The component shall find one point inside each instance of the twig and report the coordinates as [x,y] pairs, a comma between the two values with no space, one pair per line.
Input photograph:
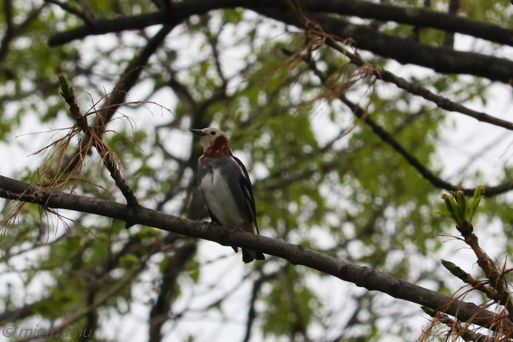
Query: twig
[125,83]
[416,89]
[87,10]
[73,10]
[476,284]
[496,278]
[108,157]
[458,330]
[462,211]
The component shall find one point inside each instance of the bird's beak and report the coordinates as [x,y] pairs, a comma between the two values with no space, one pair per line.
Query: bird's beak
[198,132]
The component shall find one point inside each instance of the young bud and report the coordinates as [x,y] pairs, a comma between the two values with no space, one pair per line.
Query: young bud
[455,270]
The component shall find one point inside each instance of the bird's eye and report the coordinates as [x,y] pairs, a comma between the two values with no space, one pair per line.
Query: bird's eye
[213,133]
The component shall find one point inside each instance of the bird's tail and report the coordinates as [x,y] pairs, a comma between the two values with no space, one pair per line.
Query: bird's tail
[248,255]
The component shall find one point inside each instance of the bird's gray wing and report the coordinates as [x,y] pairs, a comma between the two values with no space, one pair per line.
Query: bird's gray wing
[247,191]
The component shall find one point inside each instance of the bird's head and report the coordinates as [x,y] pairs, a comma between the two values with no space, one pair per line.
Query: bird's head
[214,141]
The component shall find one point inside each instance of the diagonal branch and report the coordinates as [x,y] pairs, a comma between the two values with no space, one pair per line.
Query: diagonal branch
[71,9]
[108,157]
[388,138]
[127,80]
[360,275]
[415,89]
[423,170]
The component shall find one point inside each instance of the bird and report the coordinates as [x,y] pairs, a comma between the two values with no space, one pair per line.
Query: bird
[226,188]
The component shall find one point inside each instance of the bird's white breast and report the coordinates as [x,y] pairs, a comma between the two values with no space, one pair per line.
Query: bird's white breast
[219,199]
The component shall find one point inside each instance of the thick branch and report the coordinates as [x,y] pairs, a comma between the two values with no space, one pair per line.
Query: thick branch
[406,51]
[363,9]
[360,275]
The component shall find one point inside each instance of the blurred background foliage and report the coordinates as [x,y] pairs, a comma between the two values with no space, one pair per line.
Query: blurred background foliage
[321,178]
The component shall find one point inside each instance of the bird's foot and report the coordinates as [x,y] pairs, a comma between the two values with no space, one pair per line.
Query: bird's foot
[235,229]
[210,223]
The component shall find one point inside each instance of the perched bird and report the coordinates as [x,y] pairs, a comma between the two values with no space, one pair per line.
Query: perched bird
[224,183]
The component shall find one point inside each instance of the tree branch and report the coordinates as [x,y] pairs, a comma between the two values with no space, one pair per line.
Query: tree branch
[13,30]
[388,138]
[411,16]
[159,313]
[71,9]
[360,275]
[423,170]
[415,89]
[127,80]
[108,157]
[406,51]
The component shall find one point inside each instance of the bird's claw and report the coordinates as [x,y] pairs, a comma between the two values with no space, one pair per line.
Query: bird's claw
[235,229]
